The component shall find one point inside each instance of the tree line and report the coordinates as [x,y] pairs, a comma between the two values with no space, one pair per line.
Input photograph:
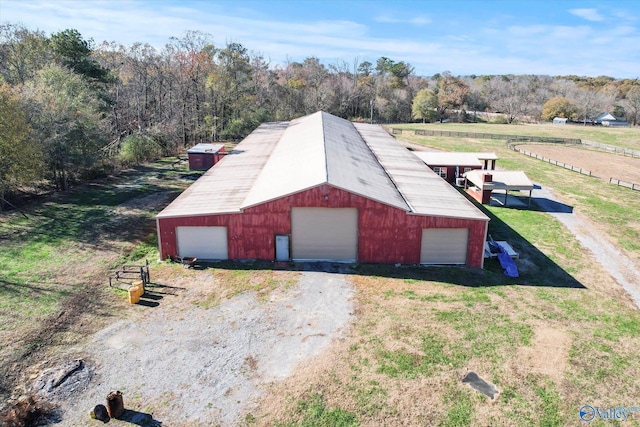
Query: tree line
[71,109]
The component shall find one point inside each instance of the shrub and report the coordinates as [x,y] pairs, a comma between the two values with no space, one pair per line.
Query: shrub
[139,148]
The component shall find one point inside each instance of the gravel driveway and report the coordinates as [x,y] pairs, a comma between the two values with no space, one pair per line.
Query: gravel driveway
[195,366]
[621,267]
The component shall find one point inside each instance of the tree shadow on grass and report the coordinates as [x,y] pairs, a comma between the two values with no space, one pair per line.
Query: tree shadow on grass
[90,213]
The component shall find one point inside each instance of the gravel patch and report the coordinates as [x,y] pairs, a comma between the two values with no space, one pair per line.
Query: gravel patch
[211,366]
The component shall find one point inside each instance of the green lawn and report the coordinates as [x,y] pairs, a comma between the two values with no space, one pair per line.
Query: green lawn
[624,137]
[55,263]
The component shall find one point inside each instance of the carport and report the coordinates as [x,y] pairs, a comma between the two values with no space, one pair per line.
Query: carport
[480,184]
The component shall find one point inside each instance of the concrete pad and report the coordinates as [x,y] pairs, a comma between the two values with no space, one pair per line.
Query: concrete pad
[513,201]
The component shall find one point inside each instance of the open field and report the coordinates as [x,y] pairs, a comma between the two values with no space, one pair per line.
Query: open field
[625,137]
[561,336]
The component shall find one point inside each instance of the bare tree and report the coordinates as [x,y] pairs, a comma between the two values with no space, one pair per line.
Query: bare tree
[591,102]
[450,93]
[631,105]
[514,96]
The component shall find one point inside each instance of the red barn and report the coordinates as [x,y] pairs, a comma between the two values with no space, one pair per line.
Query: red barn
[323,188]
[203,156]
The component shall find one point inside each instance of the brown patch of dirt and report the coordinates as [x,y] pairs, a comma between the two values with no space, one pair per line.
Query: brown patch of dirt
[547,355]
[602,165]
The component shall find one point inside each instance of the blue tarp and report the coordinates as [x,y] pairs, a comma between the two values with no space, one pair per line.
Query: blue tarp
[507,263]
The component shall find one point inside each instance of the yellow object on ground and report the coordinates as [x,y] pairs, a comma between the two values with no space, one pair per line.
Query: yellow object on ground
[134,294]
[140,284]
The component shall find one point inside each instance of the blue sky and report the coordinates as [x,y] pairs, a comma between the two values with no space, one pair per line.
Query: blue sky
[586,38]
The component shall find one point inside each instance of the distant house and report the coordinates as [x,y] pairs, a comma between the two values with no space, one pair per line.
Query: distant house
[560,121]
[203,156]
[606,119]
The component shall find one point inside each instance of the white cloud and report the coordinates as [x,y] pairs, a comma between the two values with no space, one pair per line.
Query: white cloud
[588,14]
[416,20]
[420,20]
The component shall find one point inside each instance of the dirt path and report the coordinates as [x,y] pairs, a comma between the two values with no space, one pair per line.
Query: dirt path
[180,364]
[621,267]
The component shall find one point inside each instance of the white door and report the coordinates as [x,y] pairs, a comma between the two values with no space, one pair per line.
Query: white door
[324,234]
[444,246]
[282,247]
[207,243]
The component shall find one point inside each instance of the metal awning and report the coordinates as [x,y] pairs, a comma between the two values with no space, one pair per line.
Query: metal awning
[500,180]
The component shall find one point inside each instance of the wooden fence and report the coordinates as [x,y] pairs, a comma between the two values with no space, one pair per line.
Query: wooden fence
[626,184]
[612,149]
[553,162]
[481,135]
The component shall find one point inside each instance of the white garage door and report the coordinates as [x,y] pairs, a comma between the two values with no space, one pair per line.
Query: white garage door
[202,242]
[324,234]
[444,246]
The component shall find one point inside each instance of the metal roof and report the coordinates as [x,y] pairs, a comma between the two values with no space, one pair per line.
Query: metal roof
[424,190]
[501,180]
[435,158]
[454,158]
[204,148]
[485,156]
[223,188]
[279,159]
[323,149]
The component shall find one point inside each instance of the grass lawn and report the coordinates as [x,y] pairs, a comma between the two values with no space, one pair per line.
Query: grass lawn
[54,264]
[561,336]
[624,137]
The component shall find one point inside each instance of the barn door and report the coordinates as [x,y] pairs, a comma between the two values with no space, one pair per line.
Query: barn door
[207,243]
[444,246]
[324,234]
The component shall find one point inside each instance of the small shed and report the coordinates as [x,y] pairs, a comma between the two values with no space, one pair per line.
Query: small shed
[560,121]
[203,156]
[480,184]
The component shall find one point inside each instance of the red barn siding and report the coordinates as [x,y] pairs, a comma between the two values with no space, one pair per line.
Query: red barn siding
[385,234]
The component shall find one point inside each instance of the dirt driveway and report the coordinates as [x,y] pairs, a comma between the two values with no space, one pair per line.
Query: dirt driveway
[181,364]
